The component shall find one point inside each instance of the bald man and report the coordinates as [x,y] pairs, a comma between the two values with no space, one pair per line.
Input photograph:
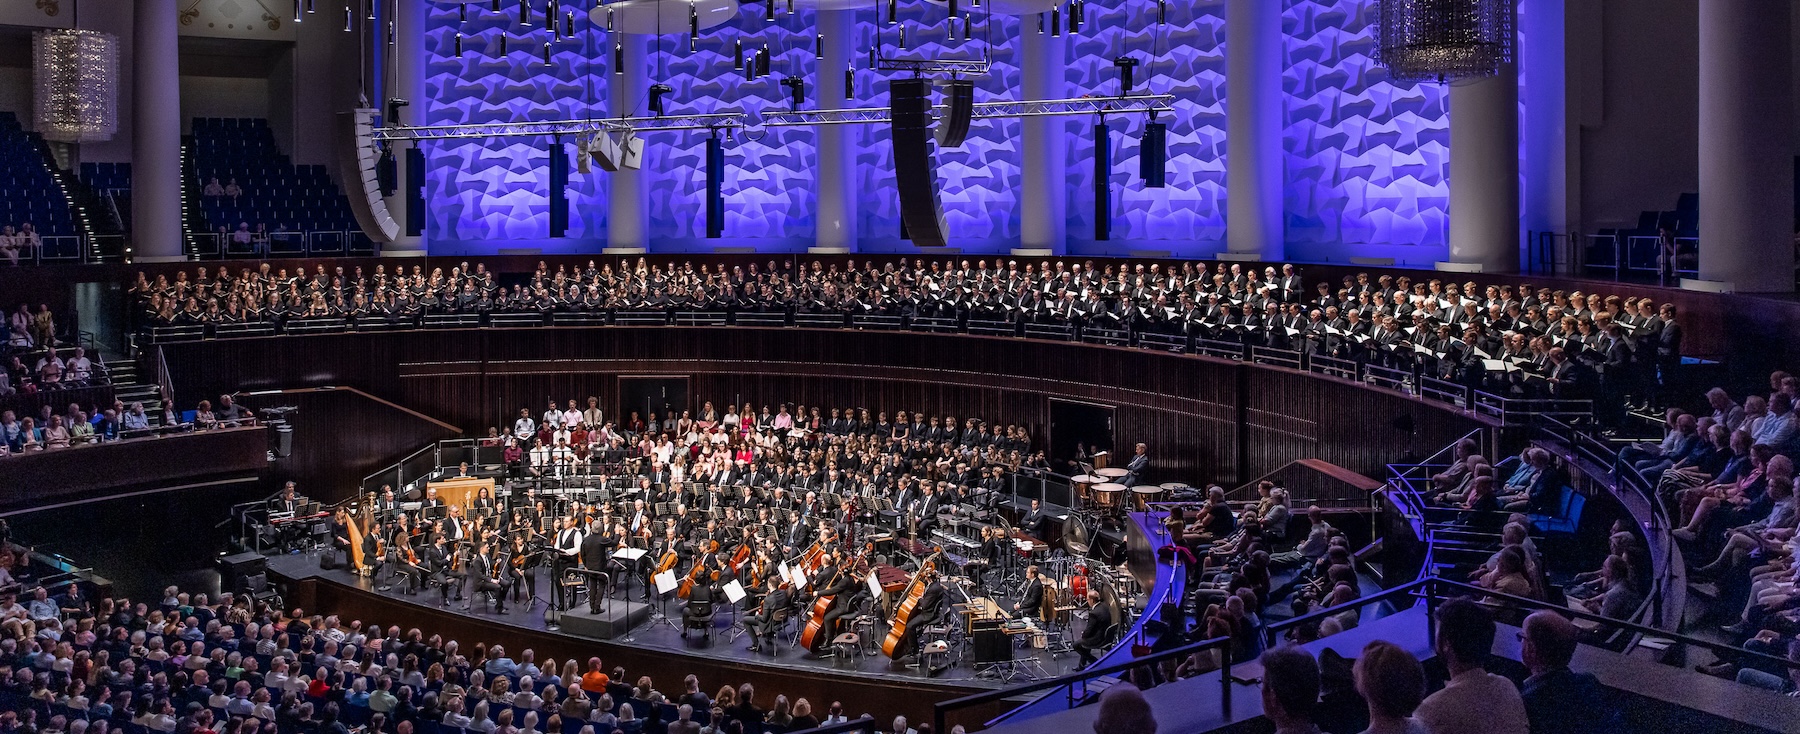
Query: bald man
[1557,699]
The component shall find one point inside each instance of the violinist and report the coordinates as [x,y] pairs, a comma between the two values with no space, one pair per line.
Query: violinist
[442,561]
[492,576]
[406,559]
[769,615]
[524,583]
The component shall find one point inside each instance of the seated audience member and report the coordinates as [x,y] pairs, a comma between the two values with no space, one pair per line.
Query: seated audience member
[1123,710]
[1557,699]
[1391,680]
[1473,701]
[212,190]
[1290,689]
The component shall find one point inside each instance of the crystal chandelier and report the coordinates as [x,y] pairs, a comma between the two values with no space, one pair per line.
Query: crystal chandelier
[1444,40]
[76,79]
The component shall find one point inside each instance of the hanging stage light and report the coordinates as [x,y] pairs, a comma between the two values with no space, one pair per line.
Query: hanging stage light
[1126,64]
[657,91]
[368,9]
[849,81]
[763,59]
[310,8]
[796,89]
[1162,12]
[569,24]
[503,44]
[1040,24]
[495,8]
[550,16]
[769,12]
[349,19]
[737,54]
[609,19]
[546,53]
[952,14]
[693,26]
[458,45]
[893,12]
[1075,16]
[819,47]
[618,58]
[298,9]
[903,36]
[525,13]
[1055,21]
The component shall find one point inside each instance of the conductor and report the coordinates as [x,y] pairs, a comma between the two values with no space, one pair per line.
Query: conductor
[595,549]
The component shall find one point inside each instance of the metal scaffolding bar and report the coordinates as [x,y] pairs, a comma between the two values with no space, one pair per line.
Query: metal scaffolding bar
[640,125]
[1142,103]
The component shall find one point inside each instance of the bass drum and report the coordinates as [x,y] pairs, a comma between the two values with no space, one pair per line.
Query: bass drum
[1077,535]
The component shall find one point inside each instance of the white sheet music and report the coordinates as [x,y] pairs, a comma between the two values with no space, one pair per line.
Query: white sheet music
[785,573]
[665,582]
[734,591]
[630,554]
[874,585]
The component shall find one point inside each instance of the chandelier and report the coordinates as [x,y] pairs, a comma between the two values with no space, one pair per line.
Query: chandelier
[76,78]
[1444,40]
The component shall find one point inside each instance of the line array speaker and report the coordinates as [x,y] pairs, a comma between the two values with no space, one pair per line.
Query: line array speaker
[915,163]
[1153,153]
[559,184]
[357,161]
[1102,182]
[715,182]
[959,98]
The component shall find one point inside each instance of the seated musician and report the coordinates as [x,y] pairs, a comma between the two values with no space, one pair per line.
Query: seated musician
[836,581]
[924,614]
[492,576]
[1031,601]
[1035,520]
[769,616]
[441,560]
[405,558]
[699,604]
[340,534]
[986,556]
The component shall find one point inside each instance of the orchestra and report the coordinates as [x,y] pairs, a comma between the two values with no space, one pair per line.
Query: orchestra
[834,523]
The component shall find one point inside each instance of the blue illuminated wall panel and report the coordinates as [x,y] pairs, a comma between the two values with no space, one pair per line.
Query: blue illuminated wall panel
[1186,58]
[770,184]
[1366,159]
[979,181]
[482,190]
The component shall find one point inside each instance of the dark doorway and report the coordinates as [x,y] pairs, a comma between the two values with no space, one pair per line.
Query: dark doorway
[1078,428]
[646,395]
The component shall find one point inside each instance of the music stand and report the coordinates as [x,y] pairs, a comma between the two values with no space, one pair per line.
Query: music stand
[664,583]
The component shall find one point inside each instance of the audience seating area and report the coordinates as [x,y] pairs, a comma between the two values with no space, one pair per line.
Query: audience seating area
[28,193]
[276,194]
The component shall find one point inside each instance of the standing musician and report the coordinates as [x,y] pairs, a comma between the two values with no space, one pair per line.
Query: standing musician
[567,553]
[596,549]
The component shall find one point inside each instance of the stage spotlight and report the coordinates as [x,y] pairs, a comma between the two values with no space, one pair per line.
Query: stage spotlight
[769,12]
[458,45]
[503,44]
[298,9]
[462,13]
[797,88]
[657,91]
[1056,21]
[310,9]
[849,81]
[1125,64]
[550,16]
[369,9]
[903,36]
[618,58]
[569,24]
[693,25]
[349,19]
[953,9]
[737,54]
[1040,24]
[525,13]
[1075,17]
[893,12]
[763,58]
[1162,12]
[546,53]
[494,8]
[819,48]
[609,20]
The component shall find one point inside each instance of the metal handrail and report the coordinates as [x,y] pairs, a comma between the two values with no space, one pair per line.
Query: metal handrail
[941,709]
[864,724]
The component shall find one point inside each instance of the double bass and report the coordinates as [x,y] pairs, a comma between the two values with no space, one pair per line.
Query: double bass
[909,602]
[815,620]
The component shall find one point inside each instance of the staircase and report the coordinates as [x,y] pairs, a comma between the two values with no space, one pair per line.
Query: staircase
[131,387]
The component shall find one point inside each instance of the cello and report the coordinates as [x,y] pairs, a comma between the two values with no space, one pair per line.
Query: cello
[815,621]
[909,602]
[693,577]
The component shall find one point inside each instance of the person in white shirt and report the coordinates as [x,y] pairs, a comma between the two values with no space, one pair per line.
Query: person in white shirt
[1474,701]
[524,428]
[552,416]
[79,367]
[571,417]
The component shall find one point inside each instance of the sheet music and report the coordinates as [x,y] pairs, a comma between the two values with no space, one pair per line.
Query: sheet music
[734,591]
[630,554]
[665,582]
[874,585]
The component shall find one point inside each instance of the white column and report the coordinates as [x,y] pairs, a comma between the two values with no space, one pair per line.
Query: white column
[837,213]
[1484,174]
[156,133]
[1746,157]
[1044,188]
[627,232]
[1253,158]
[409,84]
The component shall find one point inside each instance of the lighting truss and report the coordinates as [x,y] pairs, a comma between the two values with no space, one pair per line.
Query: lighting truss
[953,67]
[590,126]
[1141,103]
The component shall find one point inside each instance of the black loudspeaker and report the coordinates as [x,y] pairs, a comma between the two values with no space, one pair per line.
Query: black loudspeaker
[990,643]
[1153,153]
[959,98]
[281,439]
[234,569]
[415,192]
[915,164]
[559,184]
[715,181]
[1102,182]
[387,173]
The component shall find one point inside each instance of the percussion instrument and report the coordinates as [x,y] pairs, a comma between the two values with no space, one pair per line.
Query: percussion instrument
[1109,495]
[1175,486]
[1111,475]
[1147,495]
[1082,484]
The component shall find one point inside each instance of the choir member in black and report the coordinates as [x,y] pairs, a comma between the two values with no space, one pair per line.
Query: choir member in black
[769,616]
[1094,636]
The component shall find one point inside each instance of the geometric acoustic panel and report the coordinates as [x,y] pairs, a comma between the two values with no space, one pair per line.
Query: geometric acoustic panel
[1367,159]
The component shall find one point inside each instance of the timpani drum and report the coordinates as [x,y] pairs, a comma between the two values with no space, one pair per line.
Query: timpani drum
[1147,495]
[1111,475]
[1082,484]
[1109,495]
[1173,487]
